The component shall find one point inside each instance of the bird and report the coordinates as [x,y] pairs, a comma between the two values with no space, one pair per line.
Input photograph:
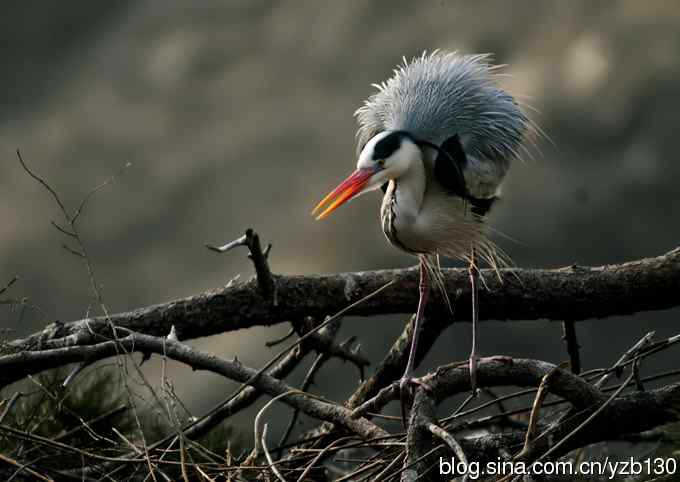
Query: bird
[438,138]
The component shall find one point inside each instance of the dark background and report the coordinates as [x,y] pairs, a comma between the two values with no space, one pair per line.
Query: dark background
[239,113]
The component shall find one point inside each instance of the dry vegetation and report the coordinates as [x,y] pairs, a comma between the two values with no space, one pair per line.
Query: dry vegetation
[77,404]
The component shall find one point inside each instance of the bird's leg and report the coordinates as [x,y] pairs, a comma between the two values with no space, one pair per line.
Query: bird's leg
[407,377]
[474,277]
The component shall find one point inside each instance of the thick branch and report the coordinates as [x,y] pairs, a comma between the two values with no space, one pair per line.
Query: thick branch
[454,378]
[574,293]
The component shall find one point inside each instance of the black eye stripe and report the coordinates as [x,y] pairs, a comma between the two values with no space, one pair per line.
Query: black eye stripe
[386,146]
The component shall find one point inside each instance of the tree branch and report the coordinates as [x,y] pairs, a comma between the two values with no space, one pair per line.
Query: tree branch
[198,360]
[574,293]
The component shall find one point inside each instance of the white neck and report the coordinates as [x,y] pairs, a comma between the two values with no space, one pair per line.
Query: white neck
[410,190]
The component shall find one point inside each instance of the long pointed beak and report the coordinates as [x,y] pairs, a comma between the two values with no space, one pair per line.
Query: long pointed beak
[347,189]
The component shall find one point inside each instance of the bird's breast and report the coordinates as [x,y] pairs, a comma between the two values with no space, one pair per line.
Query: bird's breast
[443,225]
[392,223]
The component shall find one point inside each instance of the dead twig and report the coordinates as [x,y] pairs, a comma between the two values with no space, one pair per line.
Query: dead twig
[580,427]
[452,443]
[632,351]
[9,284]
[538,402]
[569,337]
[268,456]
[9,405]
[265,279]
[25,467]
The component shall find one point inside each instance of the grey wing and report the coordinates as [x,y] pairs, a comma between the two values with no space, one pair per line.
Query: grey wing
[458,176]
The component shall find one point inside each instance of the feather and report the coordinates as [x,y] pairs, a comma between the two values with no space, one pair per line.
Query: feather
[452,103]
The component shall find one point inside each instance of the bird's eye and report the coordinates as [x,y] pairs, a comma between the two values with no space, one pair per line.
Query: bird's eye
[381,162]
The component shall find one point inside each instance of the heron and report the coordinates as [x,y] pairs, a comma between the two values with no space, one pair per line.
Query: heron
[438,138]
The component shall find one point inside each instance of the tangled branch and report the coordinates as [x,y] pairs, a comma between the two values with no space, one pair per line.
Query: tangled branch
[570,410]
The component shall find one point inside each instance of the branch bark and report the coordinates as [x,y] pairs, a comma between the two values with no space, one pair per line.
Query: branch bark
[575,293]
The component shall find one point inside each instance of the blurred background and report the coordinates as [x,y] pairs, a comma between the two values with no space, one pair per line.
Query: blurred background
[238,114]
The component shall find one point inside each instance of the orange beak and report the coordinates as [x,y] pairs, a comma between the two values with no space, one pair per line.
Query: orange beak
[347,189]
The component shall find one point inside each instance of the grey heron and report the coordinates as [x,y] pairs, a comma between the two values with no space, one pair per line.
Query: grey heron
[438,138]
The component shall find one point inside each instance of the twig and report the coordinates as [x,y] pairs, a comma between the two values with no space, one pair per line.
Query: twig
[272,466]
[308,380]
[96,189]
[636,375]
[73,251]
[599,410]
[233,405]
[322,453]
[13,399]
[76,370]
[44,184]
[25,467]
[395,461]
[136,449]
[229,246]
[625,357]
[256,423]
[239,398]
[569,337]
[452,443]
[71,219]
[278,341]
[9,284]
[251,240]
[63,230]
[409,465]
[538,401]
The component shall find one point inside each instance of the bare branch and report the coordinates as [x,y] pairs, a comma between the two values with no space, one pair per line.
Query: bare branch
[9,284]
[63,230]
[251,240]
[597,412]
[44,183]
[535,409]
[577,294]
[452,443]
[630,353]
[9,404]
[272,466]
[95,190]
[25,467]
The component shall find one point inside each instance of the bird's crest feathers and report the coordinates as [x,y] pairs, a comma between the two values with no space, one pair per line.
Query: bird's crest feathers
[437,95]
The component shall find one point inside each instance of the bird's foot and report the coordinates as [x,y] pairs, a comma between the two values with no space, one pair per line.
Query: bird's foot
[406,385]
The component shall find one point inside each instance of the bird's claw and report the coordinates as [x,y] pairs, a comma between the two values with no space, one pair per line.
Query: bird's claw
[405,393]
[404,382]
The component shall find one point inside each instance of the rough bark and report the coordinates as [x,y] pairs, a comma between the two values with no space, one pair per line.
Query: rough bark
[575,293]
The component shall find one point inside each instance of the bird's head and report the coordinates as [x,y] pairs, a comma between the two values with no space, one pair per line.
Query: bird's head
[386,156]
